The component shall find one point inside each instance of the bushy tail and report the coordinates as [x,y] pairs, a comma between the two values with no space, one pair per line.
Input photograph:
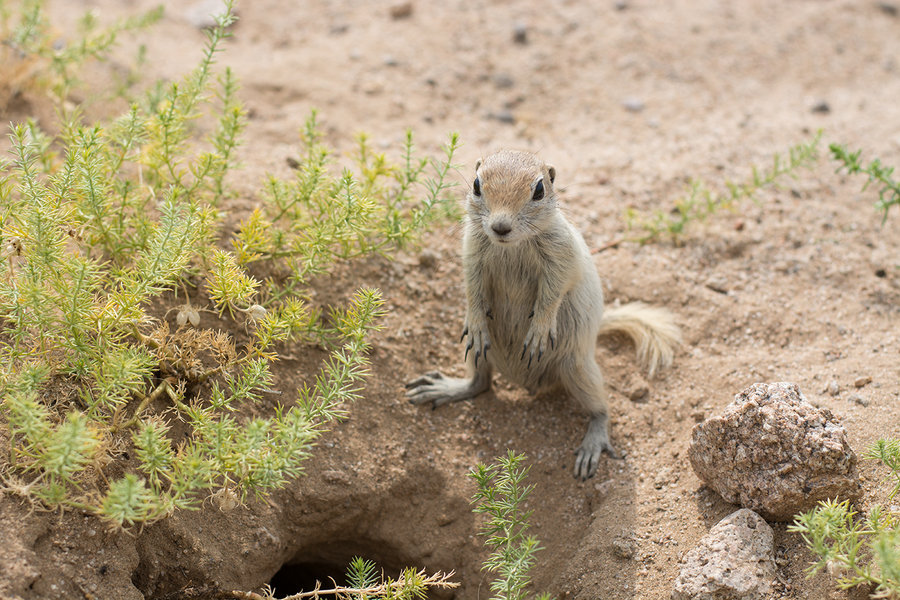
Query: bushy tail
[653,331]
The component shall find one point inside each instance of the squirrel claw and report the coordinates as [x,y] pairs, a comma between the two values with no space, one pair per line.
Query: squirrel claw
[464,334]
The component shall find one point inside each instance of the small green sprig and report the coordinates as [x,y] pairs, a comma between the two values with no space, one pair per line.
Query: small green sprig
[501,494]
[878,174]
[701,201]
[32,56]
[319,218]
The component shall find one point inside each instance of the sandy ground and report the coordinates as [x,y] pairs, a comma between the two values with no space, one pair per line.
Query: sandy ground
[629,100]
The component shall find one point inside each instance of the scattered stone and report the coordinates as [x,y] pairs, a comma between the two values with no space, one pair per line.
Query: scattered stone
[880,273]
[888,8]
[735,560]
[401,10]
[862,381]
[428,258]
[858,399]
[832,388]
[336,477]
[634,105]
[620,5]
[504,116]
[718,284]
[503,81]
[624,546]
[774,452]
[821,107]
[639,393]
[520,33]
[390,60]
[203,14]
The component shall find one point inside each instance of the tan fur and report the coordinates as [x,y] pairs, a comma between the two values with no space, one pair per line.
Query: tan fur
[535,301]
[653,331]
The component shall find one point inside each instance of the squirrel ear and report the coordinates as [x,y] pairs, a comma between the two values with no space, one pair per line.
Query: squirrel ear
[477,164]
[552,171]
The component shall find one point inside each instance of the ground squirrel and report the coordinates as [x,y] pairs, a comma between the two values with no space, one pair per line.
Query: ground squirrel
[535,301]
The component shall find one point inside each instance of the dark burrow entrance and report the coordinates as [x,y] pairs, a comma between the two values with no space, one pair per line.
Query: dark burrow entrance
[329,567]
[302,577]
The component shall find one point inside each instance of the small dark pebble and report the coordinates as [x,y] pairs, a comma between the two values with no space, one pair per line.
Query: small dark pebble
[880,273]
[821,107]
[292,162]
[401,10]
[888,8]
[520,34]
[504,116]
[428,258]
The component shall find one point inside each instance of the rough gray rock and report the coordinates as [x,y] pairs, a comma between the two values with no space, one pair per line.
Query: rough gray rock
[734,561]
[774,452]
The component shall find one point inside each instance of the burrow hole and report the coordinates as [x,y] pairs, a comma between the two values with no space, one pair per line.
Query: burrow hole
[328,562]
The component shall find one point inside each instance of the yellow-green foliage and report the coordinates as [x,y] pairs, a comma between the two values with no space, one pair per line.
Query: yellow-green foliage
[102,221]
[33,57]
[700,201]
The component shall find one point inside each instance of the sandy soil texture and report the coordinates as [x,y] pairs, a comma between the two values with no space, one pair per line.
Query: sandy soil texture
[629,100]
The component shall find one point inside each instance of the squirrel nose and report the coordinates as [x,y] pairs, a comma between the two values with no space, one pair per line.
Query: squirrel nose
[501,228]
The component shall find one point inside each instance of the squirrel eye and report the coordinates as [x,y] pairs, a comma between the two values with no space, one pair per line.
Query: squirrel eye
[476,187]
[538,190]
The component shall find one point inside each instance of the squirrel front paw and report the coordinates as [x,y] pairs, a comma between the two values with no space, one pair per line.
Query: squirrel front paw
[540,338]
[479,341]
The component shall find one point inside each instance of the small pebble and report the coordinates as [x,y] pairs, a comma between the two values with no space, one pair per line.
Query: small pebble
[833,388]
[401,10]
[862,381]
[856,398]
[821,107]
[620,5]
[203,14]
[428,258]
[639,393]
[503,81]
[624,547]
[888,8]
[634,105]
[520,33]
[504,116]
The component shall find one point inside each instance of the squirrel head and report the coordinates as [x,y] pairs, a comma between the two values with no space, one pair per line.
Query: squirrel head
[512,196]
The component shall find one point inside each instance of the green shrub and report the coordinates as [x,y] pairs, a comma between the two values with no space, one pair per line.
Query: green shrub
[501,494]
[33,57]
[878,174]
[701,201]
[103,225]
[855,549]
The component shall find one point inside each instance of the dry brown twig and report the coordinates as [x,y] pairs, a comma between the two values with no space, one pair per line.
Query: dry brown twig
[438,580]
